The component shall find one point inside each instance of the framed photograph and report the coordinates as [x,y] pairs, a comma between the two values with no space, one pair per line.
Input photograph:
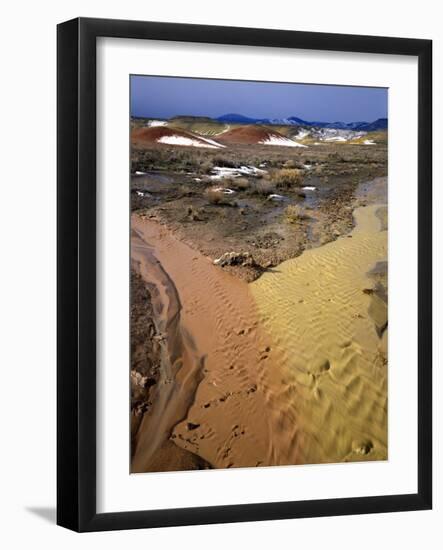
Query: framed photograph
[232,203]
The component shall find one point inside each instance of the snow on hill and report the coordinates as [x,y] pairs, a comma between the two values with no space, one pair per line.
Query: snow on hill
[172,136]
[198,134]
[256,135]
[153,123]
[328,134]
[334,134]
[280,140]
[188,141]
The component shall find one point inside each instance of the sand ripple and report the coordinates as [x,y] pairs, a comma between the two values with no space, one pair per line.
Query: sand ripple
[334,378]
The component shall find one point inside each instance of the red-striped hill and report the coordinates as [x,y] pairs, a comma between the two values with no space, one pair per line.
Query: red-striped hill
[163,135]
[256,135]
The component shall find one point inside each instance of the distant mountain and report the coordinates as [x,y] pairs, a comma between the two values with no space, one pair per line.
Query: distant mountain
[379,124]
[191,118]
[234,117]
[240,119]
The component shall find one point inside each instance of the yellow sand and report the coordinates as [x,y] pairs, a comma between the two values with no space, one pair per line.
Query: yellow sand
[333,372]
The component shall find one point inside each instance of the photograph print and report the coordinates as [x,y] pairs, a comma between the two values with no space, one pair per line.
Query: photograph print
[259,274]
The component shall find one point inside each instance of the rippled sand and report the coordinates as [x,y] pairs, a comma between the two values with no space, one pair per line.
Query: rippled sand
[334,376]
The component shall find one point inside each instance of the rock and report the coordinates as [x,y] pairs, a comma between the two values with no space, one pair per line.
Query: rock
[137,379]
[234,258]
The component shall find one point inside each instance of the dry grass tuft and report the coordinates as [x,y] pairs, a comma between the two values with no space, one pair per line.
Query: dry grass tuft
[287,177]
[195,214]
[294,213]
[290,164]
[263,187]
[215,196]
[186,190]
[241,184]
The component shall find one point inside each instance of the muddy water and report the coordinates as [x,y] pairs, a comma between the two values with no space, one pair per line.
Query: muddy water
[176,388]
[227,419]
[289,369]
[151,180]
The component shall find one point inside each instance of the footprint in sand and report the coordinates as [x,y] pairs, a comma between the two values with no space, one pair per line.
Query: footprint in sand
[362,447]
[225,451]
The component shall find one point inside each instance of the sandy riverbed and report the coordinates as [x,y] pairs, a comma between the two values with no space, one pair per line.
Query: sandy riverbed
[213,328]
[289,369]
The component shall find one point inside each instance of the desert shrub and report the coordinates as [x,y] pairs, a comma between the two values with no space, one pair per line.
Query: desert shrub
[224,161]
[290,164]
[242,184]
[186,190]
[287,177]
[263,187]
[205,167]
[294,213]
[194,214]
[215,196]
[336,157]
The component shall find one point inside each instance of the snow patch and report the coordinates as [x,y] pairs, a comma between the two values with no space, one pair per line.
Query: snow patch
[337,135]
[188,142]
[276,197]
[309,188]
[225,172]
[302,134]
[224,190]
[369,142]
[282,141]
[153,123]
[212,142]
[335,138]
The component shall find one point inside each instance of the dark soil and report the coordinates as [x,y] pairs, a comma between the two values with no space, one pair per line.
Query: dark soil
[145,352]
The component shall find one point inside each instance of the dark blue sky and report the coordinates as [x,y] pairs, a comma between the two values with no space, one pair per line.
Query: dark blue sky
[164,97]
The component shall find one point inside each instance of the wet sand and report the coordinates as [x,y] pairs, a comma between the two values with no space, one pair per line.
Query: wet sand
[212,400]
[289,369]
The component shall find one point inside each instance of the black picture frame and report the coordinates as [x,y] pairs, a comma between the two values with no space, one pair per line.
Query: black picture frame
[76,280]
